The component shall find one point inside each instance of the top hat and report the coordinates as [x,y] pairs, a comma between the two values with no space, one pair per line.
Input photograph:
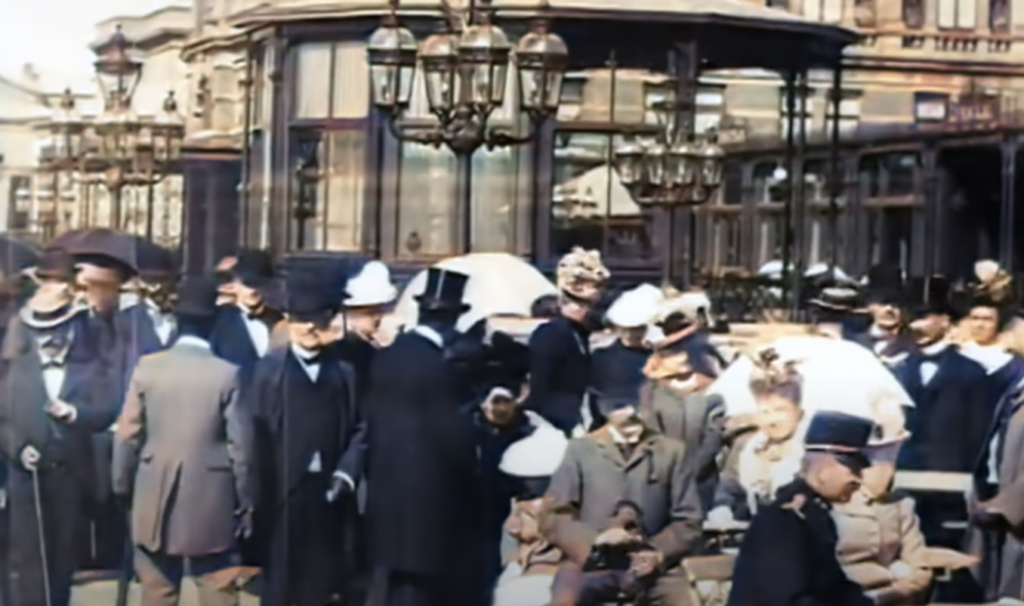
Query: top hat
[55,264]
[53,304]
[197,297]
[329,268]
[371,286]
[444,290]
[254,268]
[935,298]
[307,297]
[841,434]
[885,284]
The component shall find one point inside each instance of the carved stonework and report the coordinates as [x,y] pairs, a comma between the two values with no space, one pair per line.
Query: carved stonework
[865,14]
[913,14]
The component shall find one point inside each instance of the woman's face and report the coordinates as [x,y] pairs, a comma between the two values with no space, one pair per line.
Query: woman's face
[983,324]
[778,416]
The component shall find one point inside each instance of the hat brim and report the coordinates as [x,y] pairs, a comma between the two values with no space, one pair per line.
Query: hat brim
[440,304]
[356,302]
[854,458]
[49,319]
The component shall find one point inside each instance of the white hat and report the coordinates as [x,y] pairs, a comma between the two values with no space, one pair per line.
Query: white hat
[635,308]
[538,455]
[822,269]
[371,286]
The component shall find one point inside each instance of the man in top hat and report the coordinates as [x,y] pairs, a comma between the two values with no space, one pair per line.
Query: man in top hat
[244,329]
[309,444]
[953,407]
[182,456]
[885,298]
[423,480]
[560,348]
[53,398]
[627,461]
[788,555]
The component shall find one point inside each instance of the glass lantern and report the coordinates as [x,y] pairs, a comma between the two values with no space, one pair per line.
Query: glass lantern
[118,73]
[439,57]
[712,159]
[168,131]
[541,60]
[655,162]
[683,164]
[629,163]
[483,52]
[391,53]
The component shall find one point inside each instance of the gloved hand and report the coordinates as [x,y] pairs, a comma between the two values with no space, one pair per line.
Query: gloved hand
[30,458]
[340,485]
[243,528]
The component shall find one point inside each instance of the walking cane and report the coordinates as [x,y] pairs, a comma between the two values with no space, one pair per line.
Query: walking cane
[42,536]
[124,576]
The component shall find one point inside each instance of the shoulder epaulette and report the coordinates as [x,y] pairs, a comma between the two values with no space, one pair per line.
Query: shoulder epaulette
[796,505]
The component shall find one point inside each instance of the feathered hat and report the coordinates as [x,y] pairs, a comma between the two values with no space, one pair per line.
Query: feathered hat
[582,275]
[992,285]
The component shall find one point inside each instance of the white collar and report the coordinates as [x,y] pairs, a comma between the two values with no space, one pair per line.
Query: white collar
[192,341]
[429,334]
[618,438]
[935,348]
[304,355]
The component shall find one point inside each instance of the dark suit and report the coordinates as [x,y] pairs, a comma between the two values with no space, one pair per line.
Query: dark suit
[559,371]
[66,473]
[230,338]
[297,421]
[426,530]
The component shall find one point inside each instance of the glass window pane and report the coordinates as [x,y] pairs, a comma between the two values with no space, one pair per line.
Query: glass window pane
[495,192]
[312,81]
[351,98]
[339,222]
[427,209]
[590,205]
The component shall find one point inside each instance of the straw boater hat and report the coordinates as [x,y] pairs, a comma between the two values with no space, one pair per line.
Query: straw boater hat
[53,304]
[582,275]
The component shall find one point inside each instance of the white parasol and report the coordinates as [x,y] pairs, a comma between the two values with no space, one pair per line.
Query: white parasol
[500,284]
[838,375]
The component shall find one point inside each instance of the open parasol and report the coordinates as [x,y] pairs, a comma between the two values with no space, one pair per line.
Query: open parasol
[838,375]
[500,284]
[137,253]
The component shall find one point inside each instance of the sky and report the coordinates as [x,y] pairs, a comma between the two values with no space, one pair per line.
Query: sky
[55,34]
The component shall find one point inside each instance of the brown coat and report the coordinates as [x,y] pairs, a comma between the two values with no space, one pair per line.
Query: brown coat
[182,428]
[1002,553]
[596,475]
[873,537]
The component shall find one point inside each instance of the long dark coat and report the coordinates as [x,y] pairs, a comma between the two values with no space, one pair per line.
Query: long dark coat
[135,330]
[559,371]
[67,474]
[422,480]
[230,339]
[948,425]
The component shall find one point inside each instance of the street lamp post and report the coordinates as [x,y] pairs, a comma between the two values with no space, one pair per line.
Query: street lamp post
[125,149]
[465,71]
[674,170]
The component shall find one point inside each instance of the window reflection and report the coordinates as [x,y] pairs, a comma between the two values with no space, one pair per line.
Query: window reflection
[339,221]
[889,175]
[331,81]
[590,206]
[427,205]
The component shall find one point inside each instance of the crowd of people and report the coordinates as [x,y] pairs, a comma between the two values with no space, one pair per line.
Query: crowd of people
[260,419]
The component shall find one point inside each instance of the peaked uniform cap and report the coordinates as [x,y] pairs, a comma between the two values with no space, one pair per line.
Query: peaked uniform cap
[841,434]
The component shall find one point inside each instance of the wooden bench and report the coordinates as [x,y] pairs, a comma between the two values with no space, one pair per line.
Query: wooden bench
[710,578]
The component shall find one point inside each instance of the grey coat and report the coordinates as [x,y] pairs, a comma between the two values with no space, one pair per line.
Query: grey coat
[182,429]
[595,476]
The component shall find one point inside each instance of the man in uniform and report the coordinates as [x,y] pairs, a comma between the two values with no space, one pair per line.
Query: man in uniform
[426,530]
[52,400]
[788,555]
[309,445]
[192,441]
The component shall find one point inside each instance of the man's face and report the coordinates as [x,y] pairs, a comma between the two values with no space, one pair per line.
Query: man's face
[575,309]
[632,337]
[929,329]
[886,315]
[778,416]
[310,335]
[983,324]
[364,321]
[626,420]
[501,408]
[102,296]
[247,297]
[833,480]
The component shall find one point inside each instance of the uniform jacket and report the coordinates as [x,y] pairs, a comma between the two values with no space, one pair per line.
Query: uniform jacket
[183,449]
[596,475]
[874,536]
[559,371]
[423,476]
[788,556]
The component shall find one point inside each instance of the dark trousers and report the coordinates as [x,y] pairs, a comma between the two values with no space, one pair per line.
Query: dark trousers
[397,588]
[25,577]
[305,557]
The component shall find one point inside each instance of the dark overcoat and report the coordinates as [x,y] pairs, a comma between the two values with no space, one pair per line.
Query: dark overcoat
[134,328]
[230,339]
[559,371]
[423,477]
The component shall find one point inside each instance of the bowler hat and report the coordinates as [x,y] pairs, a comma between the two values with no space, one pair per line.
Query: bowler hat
[254,268]
[444,290]
[841,434]
[307,297]
[935,298]
[197,297]
[885,284]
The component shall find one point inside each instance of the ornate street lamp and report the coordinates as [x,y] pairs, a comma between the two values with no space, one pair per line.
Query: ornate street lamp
[117,72]
[465,71]
[674,169]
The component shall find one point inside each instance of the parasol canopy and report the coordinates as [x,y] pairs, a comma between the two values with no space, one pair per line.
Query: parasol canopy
[838,375]
[16,254]
[500,284]
[137,253]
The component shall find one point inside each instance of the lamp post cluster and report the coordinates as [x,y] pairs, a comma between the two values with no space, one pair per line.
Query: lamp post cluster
[465,73]
[120,147]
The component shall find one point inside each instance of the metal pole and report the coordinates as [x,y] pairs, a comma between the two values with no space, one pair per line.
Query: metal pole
[834,174]
[150,207]
[1008,251]
[464,196]
[115,207]
[800,201]
[246,169]
[787,204]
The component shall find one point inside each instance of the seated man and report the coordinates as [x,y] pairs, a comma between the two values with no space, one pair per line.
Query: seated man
[626,461]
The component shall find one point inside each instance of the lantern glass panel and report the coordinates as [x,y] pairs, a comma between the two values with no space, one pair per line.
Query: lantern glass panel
[712,158]
[391,52]
[656,160]
[541,58]
[629,163]
[684,164]
[440,72]
[484,52]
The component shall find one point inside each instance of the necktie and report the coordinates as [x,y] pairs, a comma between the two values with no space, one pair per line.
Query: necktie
[52,364]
